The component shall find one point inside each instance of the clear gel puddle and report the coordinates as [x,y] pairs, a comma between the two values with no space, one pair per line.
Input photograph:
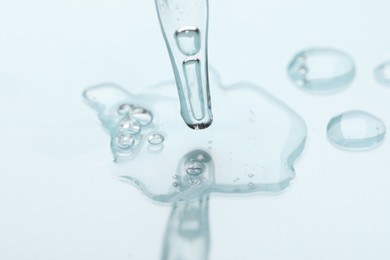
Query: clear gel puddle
[356,131]
[185,27]
[251,146]
[321,70]
[382,74]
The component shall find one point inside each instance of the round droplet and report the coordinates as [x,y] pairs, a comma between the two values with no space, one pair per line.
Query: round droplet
[321,70]
[356,131]
[194,168]
[156,139]
[250,175]
[125,141]
[175,184]
[382,73]
[129,125]
[143,116]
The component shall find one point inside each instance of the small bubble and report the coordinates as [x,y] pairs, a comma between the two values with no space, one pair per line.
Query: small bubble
[194,168]
[125,141]
[129,125]
[356,130]
[175,184]
[251,184]
[156,139]
[175,177]
[250,175]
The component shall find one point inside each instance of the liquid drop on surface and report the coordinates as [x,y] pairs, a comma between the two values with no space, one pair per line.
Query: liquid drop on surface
[321,70]
[356,131]
[382,74]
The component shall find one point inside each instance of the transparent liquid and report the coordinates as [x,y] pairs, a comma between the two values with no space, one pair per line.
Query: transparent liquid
[255,139]
[321,70]
[356,131]
[251,147]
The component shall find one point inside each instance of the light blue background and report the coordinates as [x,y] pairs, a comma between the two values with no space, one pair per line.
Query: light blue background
[57,201]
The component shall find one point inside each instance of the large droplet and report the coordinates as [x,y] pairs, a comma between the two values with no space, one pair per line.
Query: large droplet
[382,73]
[188,40]
[321,70]
[356,131]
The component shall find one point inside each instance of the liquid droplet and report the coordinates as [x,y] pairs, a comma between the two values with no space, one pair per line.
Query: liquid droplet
[141,115]
[156,139]
[194,168]
[321,70]
[188,40]
[356,131]
[250,175]
[382,73]
[125,141]
[129,125]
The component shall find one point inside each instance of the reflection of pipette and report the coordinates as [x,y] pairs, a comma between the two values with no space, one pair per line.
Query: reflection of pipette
[185,27]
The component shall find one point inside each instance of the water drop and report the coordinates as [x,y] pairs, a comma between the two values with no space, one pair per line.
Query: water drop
[175,184]
[194,168]
[356,131]
[321,70]
[143,116]
[156,139]
[382,73]
[129,125]
[250,175]
[188,40]
[125,141]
